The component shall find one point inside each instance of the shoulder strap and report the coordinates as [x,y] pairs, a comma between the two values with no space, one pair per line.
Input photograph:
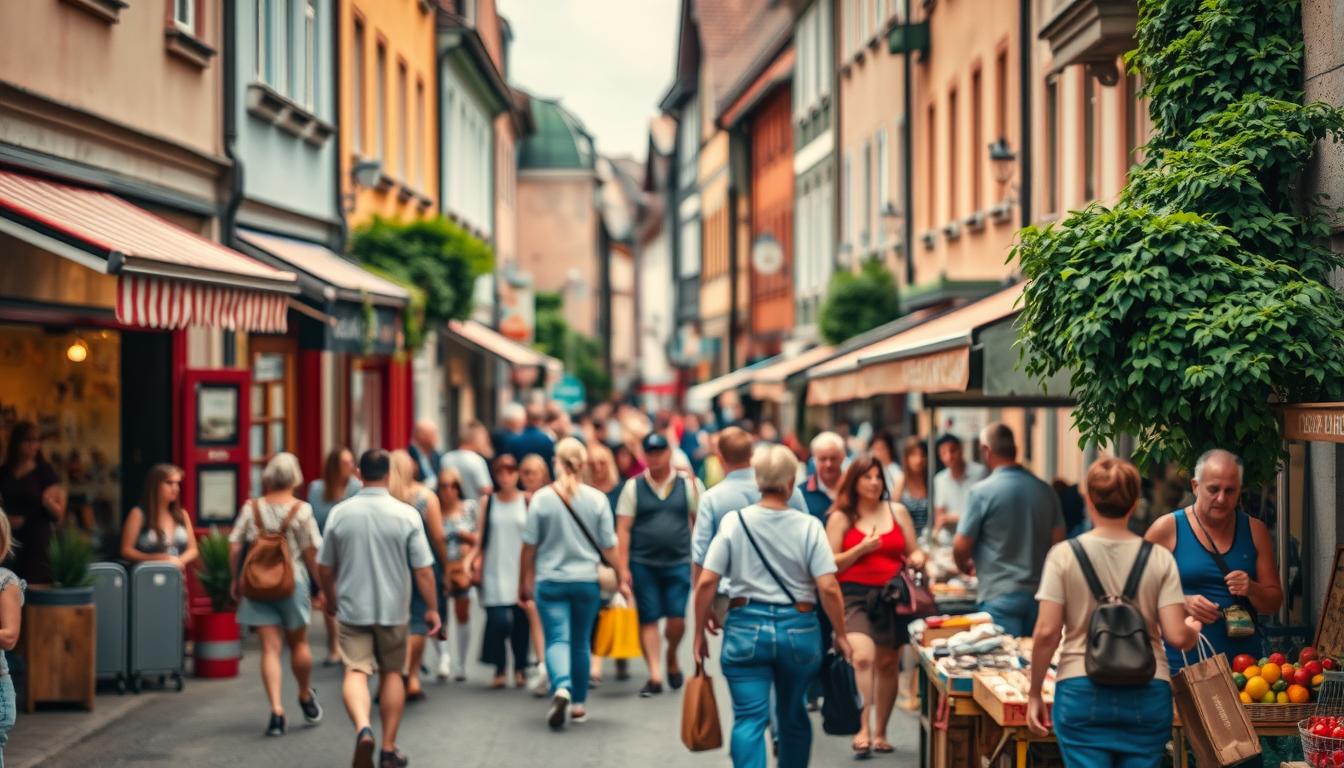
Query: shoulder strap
[761,556]
[1136,572]
[582,528]
[1085,565]
[256,516]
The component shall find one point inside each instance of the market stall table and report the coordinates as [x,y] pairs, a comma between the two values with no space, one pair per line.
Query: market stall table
[1007,718]
[948,716]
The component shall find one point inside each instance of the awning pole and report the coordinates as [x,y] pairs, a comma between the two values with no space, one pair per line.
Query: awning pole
[932,461]
[1282,532]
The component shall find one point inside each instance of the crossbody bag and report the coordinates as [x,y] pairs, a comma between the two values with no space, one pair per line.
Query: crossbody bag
[802,607]
[607,582]
[1239,618]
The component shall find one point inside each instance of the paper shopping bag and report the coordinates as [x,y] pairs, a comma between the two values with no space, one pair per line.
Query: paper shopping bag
[616,635]
[604,634]
[1216,725]
[700,729]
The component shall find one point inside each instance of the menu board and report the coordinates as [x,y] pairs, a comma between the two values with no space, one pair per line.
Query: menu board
[1329,627]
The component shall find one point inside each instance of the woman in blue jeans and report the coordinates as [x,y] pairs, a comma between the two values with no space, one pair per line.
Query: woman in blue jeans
[569,533]
[11,615]
[778,562]
[1106,725]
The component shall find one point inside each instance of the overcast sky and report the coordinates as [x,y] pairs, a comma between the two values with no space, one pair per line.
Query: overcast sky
[608,61]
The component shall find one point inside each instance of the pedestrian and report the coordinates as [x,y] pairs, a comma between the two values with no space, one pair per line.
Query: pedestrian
[828,454]
[952,484]
[534,474]
[883,448]
[34,499]
[338,483]
[1099,724]
[913,492]
[873,539]
[605,477]
[375,550]
[1226,560]
[469,463]
[569,532]
[11,621]
[159,530]
[403,486]
[282,622]
[654,515]
[496,570]
[460,526]
[531,438]
[779,564]
[424,452]
[695,443]
[1012,519]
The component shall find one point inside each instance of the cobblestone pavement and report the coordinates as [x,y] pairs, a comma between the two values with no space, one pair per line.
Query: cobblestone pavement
[220,723]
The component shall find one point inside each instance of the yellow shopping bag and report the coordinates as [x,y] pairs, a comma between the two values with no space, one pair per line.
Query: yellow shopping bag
[617,633]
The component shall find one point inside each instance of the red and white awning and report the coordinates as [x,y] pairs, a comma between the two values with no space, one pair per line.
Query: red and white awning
[168,276]
[154,302]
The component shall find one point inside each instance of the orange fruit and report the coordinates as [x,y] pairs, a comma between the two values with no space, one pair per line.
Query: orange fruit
[1245,697]
[1317,680]
[1298,694]
[1271,672]
[1251,671]
[1256,687]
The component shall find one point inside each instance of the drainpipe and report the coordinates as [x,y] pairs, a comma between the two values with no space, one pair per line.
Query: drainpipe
[907,155]
[1026,39]
[228,220]
[343,227]
[733,308]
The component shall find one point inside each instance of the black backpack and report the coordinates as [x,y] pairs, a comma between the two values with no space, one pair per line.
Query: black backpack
[841,702]
[1119,650]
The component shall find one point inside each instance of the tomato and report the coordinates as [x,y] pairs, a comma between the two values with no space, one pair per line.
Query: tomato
[1307,654]
[1320,729]
[1328,663]
[1302,677]
[1338,757]
[1337,732]
[1241,662]
[1314,667]
[1277,658]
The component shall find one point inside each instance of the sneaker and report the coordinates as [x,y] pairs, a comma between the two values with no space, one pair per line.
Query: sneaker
[650,689]
[364,749]
[539,683]
[581,716]
[394,759]
[622,670]
[312,711]
[555,716]
[277,725]
[675,679]
[445,670]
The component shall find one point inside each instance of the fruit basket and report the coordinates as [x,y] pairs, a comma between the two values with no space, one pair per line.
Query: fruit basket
[1322,741]
[1275,690]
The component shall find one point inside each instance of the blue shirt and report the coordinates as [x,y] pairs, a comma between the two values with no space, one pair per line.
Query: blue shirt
[530,440]
[737,490]
[818,500]
[317,499]
[1011,516]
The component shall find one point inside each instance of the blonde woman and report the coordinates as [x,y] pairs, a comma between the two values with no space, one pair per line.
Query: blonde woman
[281,622]
[404,487]
[569,532]
[11,615]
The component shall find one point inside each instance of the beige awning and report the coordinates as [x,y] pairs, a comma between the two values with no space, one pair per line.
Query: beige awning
[495,343]
[768,383]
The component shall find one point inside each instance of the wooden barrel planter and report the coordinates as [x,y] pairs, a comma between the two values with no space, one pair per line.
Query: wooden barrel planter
[59,646]
[218,644]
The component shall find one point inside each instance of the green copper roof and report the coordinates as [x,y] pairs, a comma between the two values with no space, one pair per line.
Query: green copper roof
[560,140]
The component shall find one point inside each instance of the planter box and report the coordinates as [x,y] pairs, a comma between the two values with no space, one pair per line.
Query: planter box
[218,644]
[59,646]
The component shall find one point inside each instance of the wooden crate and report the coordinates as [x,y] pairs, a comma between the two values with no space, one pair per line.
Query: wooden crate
[1004,713]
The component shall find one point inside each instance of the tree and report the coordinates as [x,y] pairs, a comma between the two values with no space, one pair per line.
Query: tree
[435,256]
[859,302]
[1201,299]
[581,354]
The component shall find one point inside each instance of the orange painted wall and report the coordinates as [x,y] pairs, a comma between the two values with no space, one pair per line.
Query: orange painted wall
[407,31]
[771,305]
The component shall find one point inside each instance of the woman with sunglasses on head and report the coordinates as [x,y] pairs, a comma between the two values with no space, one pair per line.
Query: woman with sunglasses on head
[160,529]
[34,500]
[496,571]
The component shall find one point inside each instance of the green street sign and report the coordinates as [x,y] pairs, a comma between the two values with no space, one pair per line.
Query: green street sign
[570,393]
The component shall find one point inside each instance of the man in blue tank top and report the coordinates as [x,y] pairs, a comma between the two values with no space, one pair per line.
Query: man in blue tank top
[1225,558]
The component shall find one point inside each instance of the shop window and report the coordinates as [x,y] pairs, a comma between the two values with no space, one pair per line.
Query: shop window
[366,399]
[272,404]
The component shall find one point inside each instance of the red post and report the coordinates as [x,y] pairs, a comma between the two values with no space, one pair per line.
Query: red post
[309,414]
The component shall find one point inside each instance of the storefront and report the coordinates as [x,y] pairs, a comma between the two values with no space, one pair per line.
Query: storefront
[108,316]
[484,370]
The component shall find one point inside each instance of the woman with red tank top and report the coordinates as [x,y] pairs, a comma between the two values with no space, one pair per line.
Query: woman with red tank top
[873,539]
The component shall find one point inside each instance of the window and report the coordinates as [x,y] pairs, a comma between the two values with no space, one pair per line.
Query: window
[1001,95]
[310,54]
[825,60]
[420,134]
[866,235]
[380,102]
[851,23]
[979,148]
[357,86]
[847,200]
[284,51]
[952,149]
[883,182]
[930,192]
[404,116]
[823,260]
[865,25]
[689,141]
[184,15]
[690,249]
[1089,137]
[1052,144]
[265,41]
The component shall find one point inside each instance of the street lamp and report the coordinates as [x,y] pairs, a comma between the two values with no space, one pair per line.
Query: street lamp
[1004,162]
[365,173]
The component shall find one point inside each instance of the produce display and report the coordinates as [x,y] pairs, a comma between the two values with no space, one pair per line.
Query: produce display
[1276,680]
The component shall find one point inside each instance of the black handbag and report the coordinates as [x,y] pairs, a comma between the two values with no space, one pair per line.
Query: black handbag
[841,702]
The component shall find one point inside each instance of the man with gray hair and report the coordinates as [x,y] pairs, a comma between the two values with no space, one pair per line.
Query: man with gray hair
[1012,519]
[424,450]
[828,454]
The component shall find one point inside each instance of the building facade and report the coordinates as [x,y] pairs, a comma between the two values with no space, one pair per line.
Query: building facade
[814,168]
[655,305]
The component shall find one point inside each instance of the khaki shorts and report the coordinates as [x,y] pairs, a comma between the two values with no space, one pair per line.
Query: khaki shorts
[363,647]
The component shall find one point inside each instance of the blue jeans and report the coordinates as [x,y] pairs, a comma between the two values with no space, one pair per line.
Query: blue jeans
[768,646]
[568,610]
[1100,726]
[8,711]
[1015,612]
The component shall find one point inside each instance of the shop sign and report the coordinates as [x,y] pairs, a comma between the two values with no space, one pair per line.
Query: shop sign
[570,393]
[1323,423]
[350,332]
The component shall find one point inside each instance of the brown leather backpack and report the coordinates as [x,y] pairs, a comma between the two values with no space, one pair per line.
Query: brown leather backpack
[268,571]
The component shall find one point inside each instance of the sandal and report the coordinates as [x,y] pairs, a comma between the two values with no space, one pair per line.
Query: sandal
[862,747]
[498,683]
[883,747]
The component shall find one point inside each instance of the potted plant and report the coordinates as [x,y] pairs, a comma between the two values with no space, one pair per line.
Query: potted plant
[218,645]
[59,626]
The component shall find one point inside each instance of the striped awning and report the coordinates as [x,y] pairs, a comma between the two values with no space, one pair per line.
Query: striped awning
[153,302]
[168,276]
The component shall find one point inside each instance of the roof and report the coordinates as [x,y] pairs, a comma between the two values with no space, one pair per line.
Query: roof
[457,39]
[687,65]
[560,141]
[327,267]
[778,73]
[740,38]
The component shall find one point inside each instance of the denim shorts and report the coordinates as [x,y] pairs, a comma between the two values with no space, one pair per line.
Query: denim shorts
[661,592]
[8,712]
[1096,724]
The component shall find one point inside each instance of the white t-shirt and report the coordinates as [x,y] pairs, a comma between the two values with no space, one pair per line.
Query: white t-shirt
[471,466]
[950,493]
[504,550]
[793,542]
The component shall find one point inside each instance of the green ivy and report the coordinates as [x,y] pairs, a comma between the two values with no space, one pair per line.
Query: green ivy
[858,302]
[437,258]
[1201,299]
